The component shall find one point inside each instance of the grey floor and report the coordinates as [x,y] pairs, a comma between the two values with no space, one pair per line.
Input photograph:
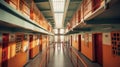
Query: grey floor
[35,62]
[59,58]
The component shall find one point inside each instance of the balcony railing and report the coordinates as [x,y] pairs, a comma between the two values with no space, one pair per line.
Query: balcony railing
[30,10]
[86,9]
[74,57]
[45,58]
[90,6]
[25,8]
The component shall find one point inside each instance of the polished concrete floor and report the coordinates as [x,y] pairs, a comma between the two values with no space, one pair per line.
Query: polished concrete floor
[35,62]
[59,58]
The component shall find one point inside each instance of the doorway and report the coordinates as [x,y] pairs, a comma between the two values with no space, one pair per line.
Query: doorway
[71,40]
[30,46]
[5,42]
[40,47]
[98,48]
[79,43]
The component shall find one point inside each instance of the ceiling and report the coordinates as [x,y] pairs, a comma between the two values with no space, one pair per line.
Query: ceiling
[109,17]
[72,7]
[45,7]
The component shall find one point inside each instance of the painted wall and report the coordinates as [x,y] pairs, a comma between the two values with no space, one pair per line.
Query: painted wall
[87,46]
[12,56]
[20,58]
[16,57]
[44,42]
[75,41]
[35,46]
[109,60]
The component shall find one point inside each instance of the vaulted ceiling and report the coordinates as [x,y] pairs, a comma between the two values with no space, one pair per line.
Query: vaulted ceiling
[46,8]
[109,17]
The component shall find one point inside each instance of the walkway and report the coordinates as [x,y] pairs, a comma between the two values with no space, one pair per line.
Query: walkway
[59,58]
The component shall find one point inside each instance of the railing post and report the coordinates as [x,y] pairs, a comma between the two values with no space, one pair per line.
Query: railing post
[49,55]
[77,61]
[31,10]
[46,59]
[18,4]
[71,53]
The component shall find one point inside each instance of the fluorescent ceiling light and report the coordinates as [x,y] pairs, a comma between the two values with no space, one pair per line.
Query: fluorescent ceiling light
[58,9]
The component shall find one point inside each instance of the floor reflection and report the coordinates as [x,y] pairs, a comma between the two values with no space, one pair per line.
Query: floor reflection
[59,59]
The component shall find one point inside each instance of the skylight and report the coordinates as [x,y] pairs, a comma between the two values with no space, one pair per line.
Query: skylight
[58,9]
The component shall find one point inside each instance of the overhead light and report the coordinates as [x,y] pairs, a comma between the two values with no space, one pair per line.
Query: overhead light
[58,9]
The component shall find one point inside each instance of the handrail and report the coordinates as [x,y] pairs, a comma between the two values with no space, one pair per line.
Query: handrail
[45,58]
[72,52]
[14,2]
[25,8]
[76,54]
[31,10]
[86,9]
[85,5]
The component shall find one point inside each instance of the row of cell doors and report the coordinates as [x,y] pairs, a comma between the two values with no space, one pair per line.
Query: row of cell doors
[97,39]
[5,42]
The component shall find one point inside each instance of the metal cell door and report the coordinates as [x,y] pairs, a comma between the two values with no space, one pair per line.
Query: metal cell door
[5,41]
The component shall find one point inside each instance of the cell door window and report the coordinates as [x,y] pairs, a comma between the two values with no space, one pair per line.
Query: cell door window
[18,43]
[115,39]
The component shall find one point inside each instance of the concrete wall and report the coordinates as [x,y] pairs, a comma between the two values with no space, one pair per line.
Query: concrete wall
[87,46]
[109,60]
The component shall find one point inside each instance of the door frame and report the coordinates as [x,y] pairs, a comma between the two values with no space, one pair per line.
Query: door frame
[30,50]
[79,42]
[71,39]
[95,36]
[40,47]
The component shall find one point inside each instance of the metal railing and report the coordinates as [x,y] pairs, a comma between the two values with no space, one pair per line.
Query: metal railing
[45,58]
[85,9]
[74,57]
[25,8]
[31,11]
[88,9]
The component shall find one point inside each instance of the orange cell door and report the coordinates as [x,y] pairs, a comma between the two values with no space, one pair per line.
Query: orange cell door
[30,46]
[5,41]
[98,48]
[40,43]
[71,41]
[79,42]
